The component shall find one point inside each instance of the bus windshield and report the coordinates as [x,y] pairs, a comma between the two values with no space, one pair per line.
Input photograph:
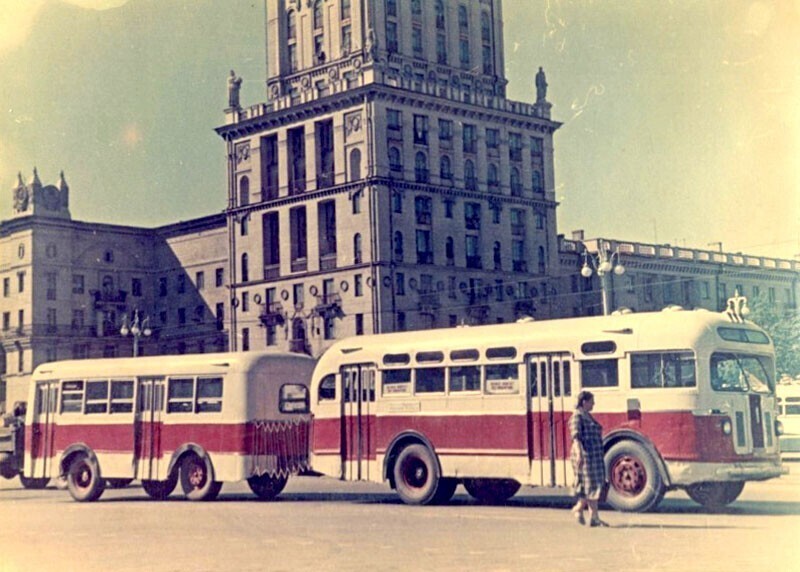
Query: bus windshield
[741,372]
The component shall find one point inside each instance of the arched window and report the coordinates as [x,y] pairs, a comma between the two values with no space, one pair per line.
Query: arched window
[244,192]
[463,19]
[398,246]
[245,269]
[538,187]
[497,256]
[291,25]
[108,284]
[516,184]
[421,167]
[470,182]
[439,14]
[541,260]
[244,225]
[449,250]
[355,165]
[493,177]
[357,248]
[318,15]
[486,28]
[445,169]
[395,159]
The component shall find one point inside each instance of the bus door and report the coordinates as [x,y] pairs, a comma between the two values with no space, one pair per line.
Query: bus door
[550,390]
[43,429]
[358,403]
[147,428]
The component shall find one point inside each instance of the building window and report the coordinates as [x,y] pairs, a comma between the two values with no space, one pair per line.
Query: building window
[20,281]
[6,321]
[181,316]
[297,235]
[518,263]
[448,208]
[445,168]
[345,9]
[449,251]
[359,324]
[423,209]
[539,218]
[394,119]
[472,216]
[293,58]
[495,213]
[358,286]
[441,49]
[245,268]
[420,129]
[245,302]
[398,246]
[488,64]
[162,286]
[541,260]
[244,225]
[51,278]
[318,15]
[291,25]
[497,256]
[421,168]
[440,22]
[357,248]
[401,321]
[538,186]
[181,284]
[7,287]
[245,339]
[516,183]
[296,143]
[515,146]
[473,251]
[395,161]
[463,52]
[326,218]
[445,130]
[391,8]
[416,41]
[492,138]
[219,315]
[493,179]
[470,180]
[136,287]
[463,20]
[270,244]
[325,162]
[219,277]
[424,247]
[397,202]
[470,138]
[400,280]
[391,37]
[199,280]
[416,9]
[244,192]
[536,146]
[269,167]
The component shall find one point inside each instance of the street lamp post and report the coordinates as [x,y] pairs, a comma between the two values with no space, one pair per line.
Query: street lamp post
[603,263]
[137,329]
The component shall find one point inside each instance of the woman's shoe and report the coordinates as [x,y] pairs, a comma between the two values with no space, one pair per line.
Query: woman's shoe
[578,514]
[598,522]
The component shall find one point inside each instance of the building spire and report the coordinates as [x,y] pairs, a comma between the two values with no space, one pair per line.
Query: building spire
[35,182]
[62,182]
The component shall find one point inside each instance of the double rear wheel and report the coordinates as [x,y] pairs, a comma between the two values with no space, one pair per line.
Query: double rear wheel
[417,478]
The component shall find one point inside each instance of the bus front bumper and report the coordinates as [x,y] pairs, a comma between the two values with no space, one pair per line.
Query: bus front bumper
[685,473]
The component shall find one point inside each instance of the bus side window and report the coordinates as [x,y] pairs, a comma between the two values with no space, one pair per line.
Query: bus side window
[96,397]
[180,397]
[543,378]
[396,381]
[327,388]
[533,378]
[599,373]
[567,378]
[429,380]
[465,378]
[209,395]
[72,397]
[121,396]
[502,378]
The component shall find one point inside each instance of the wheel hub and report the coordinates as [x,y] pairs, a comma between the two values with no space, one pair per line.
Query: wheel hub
[416,474]
[628,475]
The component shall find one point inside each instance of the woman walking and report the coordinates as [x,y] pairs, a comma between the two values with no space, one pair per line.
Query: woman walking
[587,460]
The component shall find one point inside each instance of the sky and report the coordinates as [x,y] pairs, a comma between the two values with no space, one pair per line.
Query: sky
[681,118]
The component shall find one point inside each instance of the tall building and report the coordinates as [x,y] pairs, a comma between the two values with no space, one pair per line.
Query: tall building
[387,183]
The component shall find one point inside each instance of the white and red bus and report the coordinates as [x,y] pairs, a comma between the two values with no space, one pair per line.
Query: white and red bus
[200,420]
[686,399]
[789,410]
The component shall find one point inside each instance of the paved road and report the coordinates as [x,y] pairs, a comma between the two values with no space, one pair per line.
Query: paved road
[322,524]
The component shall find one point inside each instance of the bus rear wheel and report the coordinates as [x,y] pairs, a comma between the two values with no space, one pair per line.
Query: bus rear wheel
[715,496]
[635,483]
[83,479]
[197,478]
[491,491]
[160,490]
[267,487]
[416,475]
[33,484]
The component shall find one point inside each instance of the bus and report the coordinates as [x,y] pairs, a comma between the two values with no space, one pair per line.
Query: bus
[200,420]
[789,410]
[686,400]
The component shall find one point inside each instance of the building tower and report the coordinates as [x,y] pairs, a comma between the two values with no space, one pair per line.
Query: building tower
[387,183]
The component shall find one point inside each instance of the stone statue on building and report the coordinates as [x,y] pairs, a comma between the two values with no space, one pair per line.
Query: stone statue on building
[234,85]
[541,86]
[371,46]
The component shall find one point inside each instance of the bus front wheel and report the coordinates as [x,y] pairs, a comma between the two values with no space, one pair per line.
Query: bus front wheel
[416,475]
[715,496]
[266,487]
[635,483]
[197,478]
[491,491]
[83,479]
[160,490]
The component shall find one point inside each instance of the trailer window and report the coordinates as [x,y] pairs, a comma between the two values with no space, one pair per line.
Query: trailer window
[180,397]
[96,397]
[72,397]
[429,380]
[465,378]
[209,395]
[599,373]
[327,388]
[294,398]
[502,378]
[121,396]
[665,369]
[396,381]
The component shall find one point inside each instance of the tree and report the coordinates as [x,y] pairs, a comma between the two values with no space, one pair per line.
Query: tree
[783,326]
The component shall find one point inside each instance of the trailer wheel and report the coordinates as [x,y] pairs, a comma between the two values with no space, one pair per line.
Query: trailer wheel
[635,483]
[83,479]
[715,496]
[416,475]
[160,490]
[491,491]
[118,483]
[197,478]
[445,491]
[266,487]
[33,484]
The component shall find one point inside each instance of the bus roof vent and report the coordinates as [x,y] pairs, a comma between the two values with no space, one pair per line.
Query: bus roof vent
[621,311]
[672,308]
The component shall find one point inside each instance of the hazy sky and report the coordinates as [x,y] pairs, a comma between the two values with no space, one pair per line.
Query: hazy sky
[681,118]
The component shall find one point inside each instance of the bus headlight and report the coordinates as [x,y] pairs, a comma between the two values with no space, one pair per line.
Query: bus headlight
[778,427]
[727,427]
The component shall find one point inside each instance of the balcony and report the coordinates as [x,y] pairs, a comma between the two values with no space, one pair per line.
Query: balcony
[272,315]
[327,261]
[424,217]
[272,271]
[473,222]
[299,264]
[329,306]
[106,298]
[519,265]
[425,257]
[474,262]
